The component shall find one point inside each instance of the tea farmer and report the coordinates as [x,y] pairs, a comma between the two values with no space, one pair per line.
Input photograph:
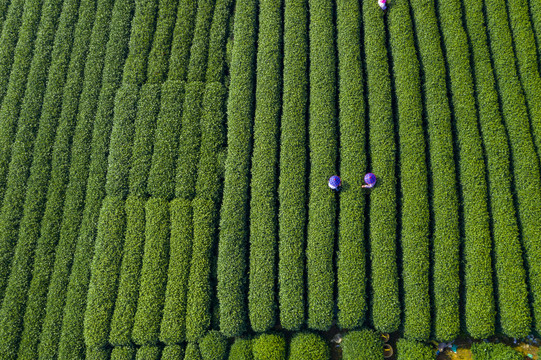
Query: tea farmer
[382,4]
[335,182]
[370,180]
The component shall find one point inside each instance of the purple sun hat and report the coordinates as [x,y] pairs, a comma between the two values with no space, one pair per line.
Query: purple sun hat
[370,179]
[334,181]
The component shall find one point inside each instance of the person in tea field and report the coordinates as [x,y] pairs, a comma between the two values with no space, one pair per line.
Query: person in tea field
[382,4]
[335,183]
[370,180]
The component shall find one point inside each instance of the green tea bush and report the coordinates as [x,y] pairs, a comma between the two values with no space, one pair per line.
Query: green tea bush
[308,346]
[8,40]
[148,352]
[141,36]
[241,350]
[101,116]
[12,310]
[323,146]
[490,351]
[213,346]
[182,40]
[190,140]
[213,136]
[526,172]
[123,353]
[231,288]
[98,353]
[513,308]
[192,352]
[161,45]
[145,124]
[535,16]
[413,350]
[269,347]
[121,143]
[174,323]
[385,305]
[23,141]
[446,236]
[263,201]
[11,101]
[102,290]
[161,180]
[351,267]
[517,18]
[479,297]
[362,345]
[130,272]
[146,328]
[293,164]
[217,41]
[197,66]
[173,352]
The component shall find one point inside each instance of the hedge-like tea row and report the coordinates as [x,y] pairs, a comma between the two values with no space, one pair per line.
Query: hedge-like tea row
[241,349]
[190,140]
[12,310]
[479,298]
[445,237]
[197,66]
[121,142]
[146,327]
[205,217]
[173,352]
[199,295]
[231,288]
[213,346]
[293,162]
[413,173]
[513,308]
[18,168]
[362,345]
[269,347]
[413,350]
[351,267]
[51,222]
[517,19]
[263,206]
[148,352]
[145,124]
[72,337]
[161,180]
[104,272]
[323,151]
[8,41]
[130,271]
[217,41]
[526,172]
[159,53]
[11,101]
[182,40]
[490,351]
[142,29]
[173,323]
[308,346]
[385,305]
[123,353]
[213,135]
[98,354]
[192,352]
[535,15]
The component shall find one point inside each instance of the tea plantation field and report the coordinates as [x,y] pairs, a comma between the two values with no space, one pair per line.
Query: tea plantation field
[164,168]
